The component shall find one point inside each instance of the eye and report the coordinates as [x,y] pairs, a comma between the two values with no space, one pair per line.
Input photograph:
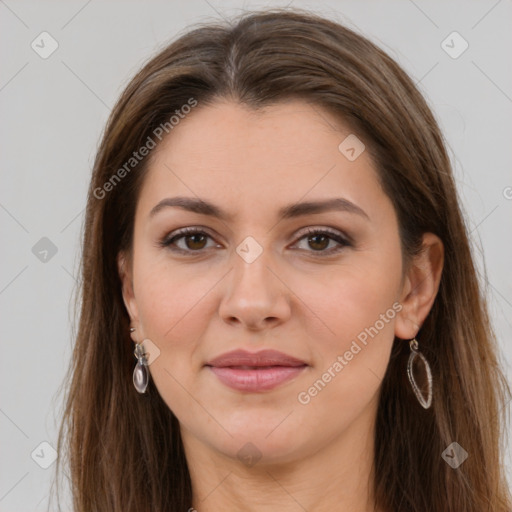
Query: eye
[194,240]
[319,240]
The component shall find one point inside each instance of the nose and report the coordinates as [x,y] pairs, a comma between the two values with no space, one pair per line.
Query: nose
[255,296]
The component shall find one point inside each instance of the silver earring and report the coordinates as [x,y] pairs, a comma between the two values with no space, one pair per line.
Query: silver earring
[425,403]
[140,372]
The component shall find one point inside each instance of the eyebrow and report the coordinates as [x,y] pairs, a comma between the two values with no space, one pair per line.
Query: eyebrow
[200,206]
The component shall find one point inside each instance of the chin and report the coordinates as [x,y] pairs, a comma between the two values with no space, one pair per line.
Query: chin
[260,445]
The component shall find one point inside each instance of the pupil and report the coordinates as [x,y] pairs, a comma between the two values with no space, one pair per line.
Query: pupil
[195,241]
[316,237]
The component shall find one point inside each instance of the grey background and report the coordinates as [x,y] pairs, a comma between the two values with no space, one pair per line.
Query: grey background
[53,111]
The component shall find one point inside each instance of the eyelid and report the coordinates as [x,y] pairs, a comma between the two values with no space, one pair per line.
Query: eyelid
[326,229]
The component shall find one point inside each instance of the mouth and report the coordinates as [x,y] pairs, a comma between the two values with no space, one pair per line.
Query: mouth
[253,372]
[256,378]
[256,367]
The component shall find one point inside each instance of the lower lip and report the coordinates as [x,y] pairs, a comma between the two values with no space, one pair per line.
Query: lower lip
[256,380]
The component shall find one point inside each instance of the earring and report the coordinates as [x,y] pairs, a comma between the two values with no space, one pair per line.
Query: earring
[414,353]
[140,372]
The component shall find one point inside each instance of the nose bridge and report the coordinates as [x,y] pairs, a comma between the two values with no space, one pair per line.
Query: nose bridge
[251,261]
[254,294]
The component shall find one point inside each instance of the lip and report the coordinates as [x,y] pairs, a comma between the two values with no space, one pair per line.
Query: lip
[255,371]
[261,358]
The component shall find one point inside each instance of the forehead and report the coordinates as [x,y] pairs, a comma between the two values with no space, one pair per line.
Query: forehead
[246,159]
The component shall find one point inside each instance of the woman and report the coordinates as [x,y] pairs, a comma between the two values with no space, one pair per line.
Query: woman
[273,231]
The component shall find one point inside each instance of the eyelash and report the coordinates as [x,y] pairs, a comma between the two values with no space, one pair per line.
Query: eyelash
[183,233]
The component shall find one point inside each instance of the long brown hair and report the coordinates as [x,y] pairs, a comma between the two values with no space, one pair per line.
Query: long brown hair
[124,449]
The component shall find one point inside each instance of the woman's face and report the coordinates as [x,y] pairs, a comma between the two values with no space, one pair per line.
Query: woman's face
[255,279]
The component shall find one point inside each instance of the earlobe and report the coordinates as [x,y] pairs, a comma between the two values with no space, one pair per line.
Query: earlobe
[125,274]
[420,287]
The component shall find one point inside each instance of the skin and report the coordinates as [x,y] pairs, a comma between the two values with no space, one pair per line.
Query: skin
[199,305]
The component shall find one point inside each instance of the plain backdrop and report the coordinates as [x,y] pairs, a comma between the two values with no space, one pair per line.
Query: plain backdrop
[53,111]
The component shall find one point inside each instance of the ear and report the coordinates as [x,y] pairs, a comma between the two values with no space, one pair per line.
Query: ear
[420,287]
[124,265]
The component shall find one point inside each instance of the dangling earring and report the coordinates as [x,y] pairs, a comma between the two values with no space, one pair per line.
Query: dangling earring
[414,352]
[140,372]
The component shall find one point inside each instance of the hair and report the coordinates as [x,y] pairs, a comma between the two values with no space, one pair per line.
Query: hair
[124,449]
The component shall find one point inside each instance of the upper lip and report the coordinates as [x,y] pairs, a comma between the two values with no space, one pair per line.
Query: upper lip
[261,358]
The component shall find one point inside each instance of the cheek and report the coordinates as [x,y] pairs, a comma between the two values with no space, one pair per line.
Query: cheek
[172,310]
[350,365]
[360,308]
[176,306]
[359,296]
[167,298]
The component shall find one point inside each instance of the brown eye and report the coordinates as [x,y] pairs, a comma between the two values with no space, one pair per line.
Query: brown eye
[195,242]
[318,242]
[186,240]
